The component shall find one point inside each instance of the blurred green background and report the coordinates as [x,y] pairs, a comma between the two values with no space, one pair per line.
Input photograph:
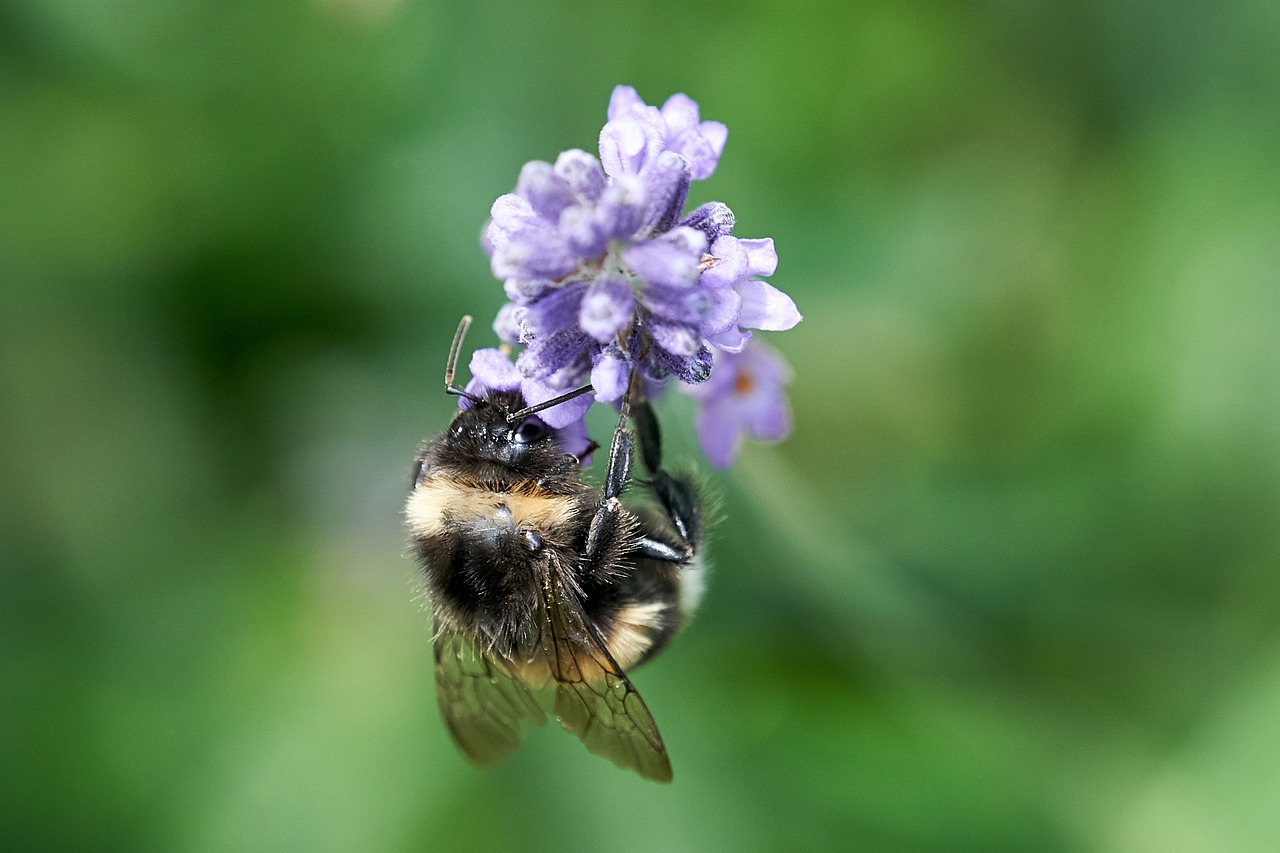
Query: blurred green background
[1012,584]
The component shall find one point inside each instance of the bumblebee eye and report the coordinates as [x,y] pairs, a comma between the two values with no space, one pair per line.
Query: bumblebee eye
[530,430]
[416,476]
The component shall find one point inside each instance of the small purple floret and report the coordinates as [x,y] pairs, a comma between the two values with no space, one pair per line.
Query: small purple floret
[744,396]
[636,133]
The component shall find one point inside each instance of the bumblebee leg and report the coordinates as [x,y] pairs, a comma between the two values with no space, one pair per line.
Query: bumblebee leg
[638,575]
[620,458]
[677,495]
[605,523]
[659,550]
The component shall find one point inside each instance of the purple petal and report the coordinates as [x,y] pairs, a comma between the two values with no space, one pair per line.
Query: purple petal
[730,265]
[722,314]
[716,135]
[701,142]
[719,435]
[507,324]
[487,235]
[766,366]
[671,259]
[574,440]
[680,112]
[771,422]
[475,388]
[610,376]
[762,256]
[662,262]
[667,186]
[758,370]
[510,213]
[622,206]
[687,306]
[679,351]
[555,311]
[551,354]
[731,340]
[744,394]
[556,417]
[698,151]
[622,101]
[534,252]
[581,229]
[582,172]
[689,239]
[494,369]
[522,291]
[607,308]
[577,371]
[677,340]
[766,307]
[547,192]
[631,141]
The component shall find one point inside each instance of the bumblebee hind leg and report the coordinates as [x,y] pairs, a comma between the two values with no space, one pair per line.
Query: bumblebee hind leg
[676,494]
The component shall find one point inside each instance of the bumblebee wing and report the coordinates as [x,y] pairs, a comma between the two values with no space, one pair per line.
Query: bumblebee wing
[594,698]
[482,701]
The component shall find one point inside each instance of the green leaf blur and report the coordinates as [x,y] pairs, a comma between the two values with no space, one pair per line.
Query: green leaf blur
[1012,584]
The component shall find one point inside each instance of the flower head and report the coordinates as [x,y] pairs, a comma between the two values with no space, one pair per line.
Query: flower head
[609,281]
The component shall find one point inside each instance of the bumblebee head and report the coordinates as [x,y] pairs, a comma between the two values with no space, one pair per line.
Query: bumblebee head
[496,436]
[486,447]
[494,427]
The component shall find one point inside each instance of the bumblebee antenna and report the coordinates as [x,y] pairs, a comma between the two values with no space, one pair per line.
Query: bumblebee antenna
[451,366]
[546,404]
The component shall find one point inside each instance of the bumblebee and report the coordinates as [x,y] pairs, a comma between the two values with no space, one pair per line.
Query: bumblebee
[544,589]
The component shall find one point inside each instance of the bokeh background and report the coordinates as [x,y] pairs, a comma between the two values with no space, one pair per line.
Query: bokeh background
[1012,584]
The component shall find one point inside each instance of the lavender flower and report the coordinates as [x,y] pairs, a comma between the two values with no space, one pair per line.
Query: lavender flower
[608,281]
[745,395]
